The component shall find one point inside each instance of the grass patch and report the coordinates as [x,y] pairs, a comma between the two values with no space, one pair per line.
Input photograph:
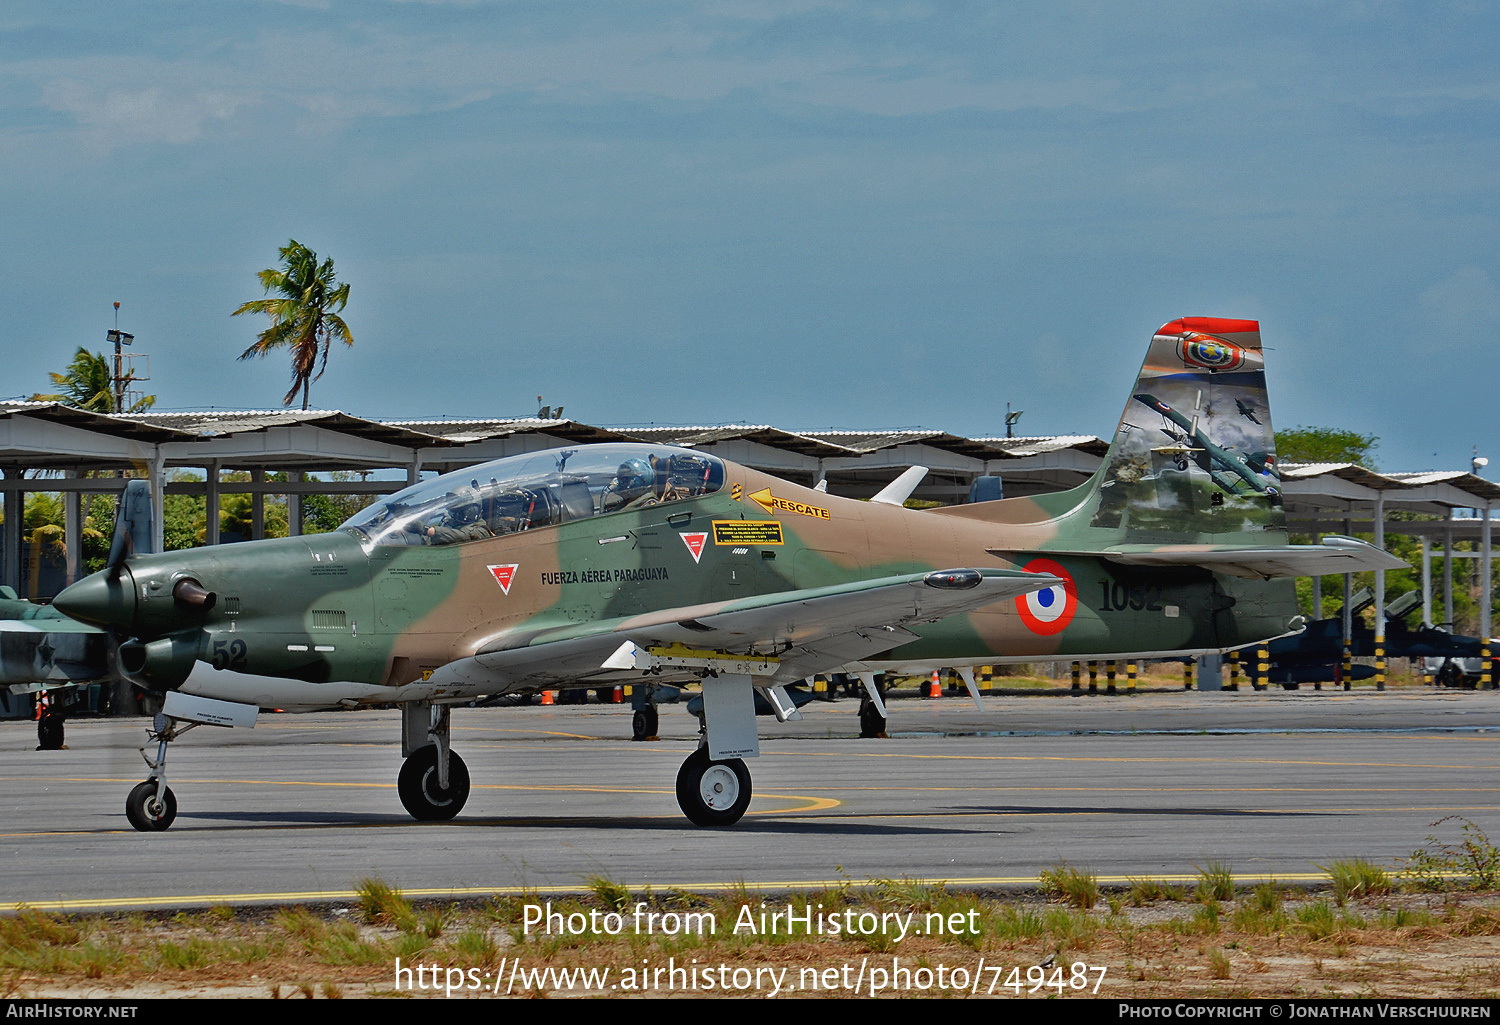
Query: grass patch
[610,893]
[1267,897]
[1215,882]
[1357,878]
[1149,891]
[1218,964]
[382,904]
[1080,889]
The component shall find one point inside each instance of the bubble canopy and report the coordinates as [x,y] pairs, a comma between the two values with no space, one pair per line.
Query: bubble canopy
[540,489]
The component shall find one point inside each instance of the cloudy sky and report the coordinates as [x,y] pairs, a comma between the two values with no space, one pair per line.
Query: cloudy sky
[807,213]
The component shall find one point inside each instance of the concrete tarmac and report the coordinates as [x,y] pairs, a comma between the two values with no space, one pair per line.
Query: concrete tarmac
[302,807]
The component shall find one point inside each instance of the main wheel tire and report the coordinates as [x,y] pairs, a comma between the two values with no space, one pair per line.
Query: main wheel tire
[711,793]
[871,723]
[49,730]
[418,785]
[643,724]
[145,812]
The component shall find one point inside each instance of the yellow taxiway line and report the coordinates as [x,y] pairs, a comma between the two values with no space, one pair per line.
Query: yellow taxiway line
[310,896]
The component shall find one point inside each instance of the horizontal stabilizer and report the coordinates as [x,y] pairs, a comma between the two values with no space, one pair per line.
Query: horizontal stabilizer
[900,489]
[1334,556]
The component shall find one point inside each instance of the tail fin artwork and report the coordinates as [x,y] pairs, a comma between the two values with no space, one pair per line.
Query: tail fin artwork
[1190,478]
[1194,457]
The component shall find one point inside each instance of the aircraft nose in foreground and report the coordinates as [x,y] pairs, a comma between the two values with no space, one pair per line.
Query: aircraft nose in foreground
[104,599]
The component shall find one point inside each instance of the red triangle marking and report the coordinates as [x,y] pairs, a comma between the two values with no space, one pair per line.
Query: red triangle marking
[694,543]
[504,575]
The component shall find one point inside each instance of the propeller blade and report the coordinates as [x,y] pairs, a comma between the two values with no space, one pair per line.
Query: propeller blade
[134,527]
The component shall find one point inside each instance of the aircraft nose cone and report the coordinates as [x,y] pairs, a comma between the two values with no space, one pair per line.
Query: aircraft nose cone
[101,600]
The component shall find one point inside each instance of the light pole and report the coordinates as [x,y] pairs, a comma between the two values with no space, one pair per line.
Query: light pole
[119,338]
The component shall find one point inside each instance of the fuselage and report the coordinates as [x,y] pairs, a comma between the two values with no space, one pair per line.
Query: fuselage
[347,618]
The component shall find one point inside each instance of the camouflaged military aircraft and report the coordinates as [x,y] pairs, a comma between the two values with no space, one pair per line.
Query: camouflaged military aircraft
[590,566]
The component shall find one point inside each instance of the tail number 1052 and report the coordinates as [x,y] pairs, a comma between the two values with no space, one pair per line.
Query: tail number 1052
[1117,597]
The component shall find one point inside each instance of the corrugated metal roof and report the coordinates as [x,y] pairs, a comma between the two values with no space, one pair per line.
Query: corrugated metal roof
[458,432]
[771,437]
[103,423]
[214,423]
[1041,444]
[1468,483]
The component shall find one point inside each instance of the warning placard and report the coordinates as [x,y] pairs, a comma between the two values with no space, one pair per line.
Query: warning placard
[747,532]
[694,542]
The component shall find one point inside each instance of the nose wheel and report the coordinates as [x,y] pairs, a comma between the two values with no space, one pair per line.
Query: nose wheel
[710,793]
[150,808]
[421,789]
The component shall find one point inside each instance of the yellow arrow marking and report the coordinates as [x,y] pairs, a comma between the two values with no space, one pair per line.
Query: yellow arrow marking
[770,503]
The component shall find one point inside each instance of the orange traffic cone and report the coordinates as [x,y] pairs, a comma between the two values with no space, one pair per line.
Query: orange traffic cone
[935,687]
[547,698]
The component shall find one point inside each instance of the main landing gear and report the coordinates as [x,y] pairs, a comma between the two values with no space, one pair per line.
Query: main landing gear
[713,793]
[152,806]
[434,781]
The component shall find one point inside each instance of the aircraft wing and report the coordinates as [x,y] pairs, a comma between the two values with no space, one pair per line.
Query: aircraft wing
[1335,555]
[810,630]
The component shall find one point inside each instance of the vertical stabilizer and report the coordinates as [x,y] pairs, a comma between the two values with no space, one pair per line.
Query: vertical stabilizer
[1194,457]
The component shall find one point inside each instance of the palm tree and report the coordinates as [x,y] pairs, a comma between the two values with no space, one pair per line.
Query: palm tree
[87,384]
[304,316]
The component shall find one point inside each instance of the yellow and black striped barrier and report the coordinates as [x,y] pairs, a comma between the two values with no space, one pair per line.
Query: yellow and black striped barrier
[1262,668]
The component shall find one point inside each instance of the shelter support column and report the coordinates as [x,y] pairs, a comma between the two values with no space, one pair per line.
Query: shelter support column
[10,536]
[1448,571]
[211,502]
[73,530]
[1380,595]
[293,506]
[1348,619]
[1426,582]
[1486,669]
[257,505]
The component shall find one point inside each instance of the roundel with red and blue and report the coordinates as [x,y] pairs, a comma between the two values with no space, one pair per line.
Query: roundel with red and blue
[1050,610]
[1210,353]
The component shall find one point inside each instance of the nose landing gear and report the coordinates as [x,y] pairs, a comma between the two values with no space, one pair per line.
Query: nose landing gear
[152,806]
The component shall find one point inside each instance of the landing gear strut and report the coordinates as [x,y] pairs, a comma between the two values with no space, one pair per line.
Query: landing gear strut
[434,781]
[872,707]
[713,793]
[643,724]
[152,806]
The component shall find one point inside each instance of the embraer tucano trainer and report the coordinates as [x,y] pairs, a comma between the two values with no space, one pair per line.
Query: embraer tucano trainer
[589,566]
